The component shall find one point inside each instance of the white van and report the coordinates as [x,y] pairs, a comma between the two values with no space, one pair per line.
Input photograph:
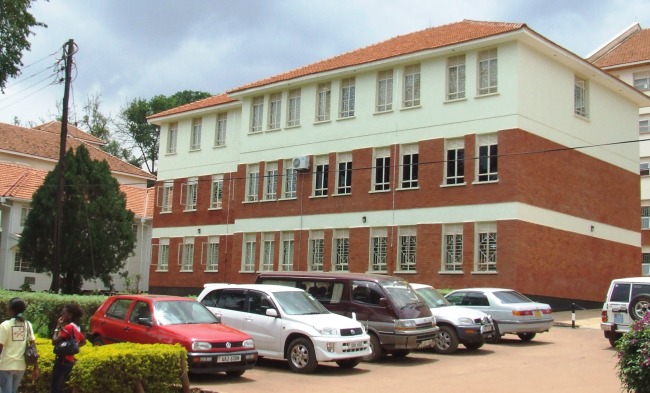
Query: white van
[628,300]
[288,323]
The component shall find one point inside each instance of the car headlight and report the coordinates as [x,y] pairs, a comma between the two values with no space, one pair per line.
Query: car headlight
[328,331]
[465,321]
[405,324]
[248,343]
[201,346]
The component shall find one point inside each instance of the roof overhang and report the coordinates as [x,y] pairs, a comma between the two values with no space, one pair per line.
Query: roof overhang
[193,113]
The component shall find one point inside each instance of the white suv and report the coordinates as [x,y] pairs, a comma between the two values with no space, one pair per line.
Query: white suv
[628,300]
[288,323]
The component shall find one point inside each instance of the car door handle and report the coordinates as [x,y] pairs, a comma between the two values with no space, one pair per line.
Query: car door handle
[127,328]
[249,319]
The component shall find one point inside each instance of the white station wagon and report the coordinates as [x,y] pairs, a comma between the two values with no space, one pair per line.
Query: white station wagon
[288,323]
[628,300]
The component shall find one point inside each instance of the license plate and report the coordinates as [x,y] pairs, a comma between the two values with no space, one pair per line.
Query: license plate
[538,314]
[355,345]
[486,328]
[425,344]
[228,358]
[618,318]
[608,328]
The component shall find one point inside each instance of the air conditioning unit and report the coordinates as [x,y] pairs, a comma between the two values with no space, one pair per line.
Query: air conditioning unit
[301,162]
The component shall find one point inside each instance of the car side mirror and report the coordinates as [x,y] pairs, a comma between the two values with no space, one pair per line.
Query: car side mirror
[145,321]
[271,312]
[383,302]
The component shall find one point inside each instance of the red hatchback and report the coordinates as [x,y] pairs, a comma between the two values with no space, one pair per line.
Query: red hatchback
[149,319]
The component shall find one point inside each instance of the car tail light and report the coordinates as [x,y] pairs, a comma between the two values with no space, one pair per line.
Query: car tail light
[603,317]
[547,311]
[522,313]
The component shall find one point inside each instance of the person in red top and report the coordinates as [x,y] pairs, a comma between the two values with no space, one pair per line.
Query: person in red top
[67,326]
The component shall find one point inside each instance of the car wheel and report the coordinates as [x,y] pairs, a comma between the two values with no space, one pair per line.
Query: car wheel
[98,342]
[301,355]
[376,350]
[613,340]
[474,346]
[639,307]
[446,341]
[235,373]
[400,353]
[526,336]
[496,335]
[348,363]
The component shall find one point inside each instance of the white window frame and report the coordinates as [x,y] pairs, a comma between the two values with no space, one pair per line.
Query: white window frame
[454,161]
[195,134]
[348,97]
[221,131]
[186,260]
[216,192]
[252,183]
[321,175]
[344,174]
[645,217]
[172,136]
[644,168]
[381,169]
[644,126]
[581,97]
[212,254]
[341,250]
[248,252]
[411,91]
[487,168]
[384,100]
[378,262]
[191,194]
[486,247]
[167,197]
[488,72]
[257,114]
[275,111]
[641,80]
[271,181]
[456,78]
[24,212]
[20,265]
[293,108]
[287,251]
[409,172]
[323,102]
[316,251]
[452,248]
[268,252]
[289,189]
[163,255]
[407,249]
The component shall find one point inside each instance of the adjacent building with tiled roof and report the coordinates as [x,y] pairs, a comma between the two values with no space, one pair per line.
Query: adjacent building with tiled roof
[469,154]
[26,155]
[627,57]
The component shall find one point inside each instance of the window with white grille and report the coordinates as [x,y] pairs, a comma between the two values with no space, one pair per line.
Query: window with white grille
[347,97]
[323,99]
[488,158]
[21,265]
[344,173]
[248,255]
[644,126]
[24,212]
[191,194]
[216,192]
[222,126]
[379,250]
[321,175]
[644,169]
[486,234]
[409,167]
[212,254]
[316,251]
[455,161]
[456,77]
[645,217]
[195,135]
[275,110]
[268,251]
[580,98]
[286,258]
[187,259]
[167,197]
[257,111]
[163,255]
[384,91]
[290,180]
[453,248]
[293,108]
[411,86]
[487,71]
[381,169]
[341,254]
[271,181]
[406,249]
[172,135]
[642,81]
[252,183]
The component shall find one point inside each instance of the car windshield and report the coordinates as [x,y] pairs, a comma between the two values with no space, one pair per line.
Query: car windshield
[299,303]
[401,293]
[174,312]
[432,298]
[511,297]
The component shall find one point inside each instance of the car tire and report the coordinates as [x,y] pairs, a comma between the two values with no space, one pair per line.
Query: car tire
[639,307]
[348,363]
[446,341]
[301,355]
[496,336]
[235,373]
[97,341]
[613,339]
[474,346]
[526,336]
[377,352]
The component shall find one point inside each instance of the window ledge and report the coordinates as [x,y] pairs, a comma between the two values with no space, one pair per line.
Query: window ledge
[339,195]
[255,132]
[211,270]
[453,185]
[273,129]
[484,273]
[288,199]
[288,127]
[405,272]
[485,182]
[248,271]
[345,118]
[186,271]
[378,191]
[162,271]
[219,146]
[486,95]
[189,210]
[255,201]
[171,153]
[316,122]
[451,273]
[382,112]
[407,189]
[215,208]
[407,108]
[268,200]
[377,272]
[194,150]
[166,212]
[455,100]
[581,117]
[318,196]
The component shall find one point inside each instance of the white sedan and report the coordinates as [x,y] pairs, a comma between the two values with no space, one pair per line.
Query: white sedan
[511,311]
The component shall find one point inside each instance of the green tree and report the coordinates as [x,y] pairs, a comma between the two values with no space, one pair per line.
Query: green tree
[97,227]
[136,131]
[15,26]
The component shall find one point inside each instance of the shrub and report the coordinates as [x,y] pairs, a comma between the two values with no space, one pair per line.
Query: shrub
[634,357]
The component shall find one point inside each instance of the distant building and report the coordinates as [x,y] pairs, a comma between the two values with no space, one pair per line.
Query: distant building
[627,57]
[469,154]
[26,155]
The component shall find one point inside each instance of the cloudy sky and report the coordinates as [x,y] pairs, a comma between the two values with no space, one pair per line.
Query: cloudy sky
[140,48]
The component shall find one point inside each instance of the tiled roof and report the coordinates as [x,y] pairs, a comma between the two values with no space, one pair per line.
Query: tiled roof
[21,182]
[219,99]
[74,132]
[44,144]
[634,49]
[432,38]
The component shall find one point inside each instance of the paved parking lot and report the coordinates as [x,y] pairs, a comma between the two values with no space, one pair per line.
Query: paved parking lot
[563,360]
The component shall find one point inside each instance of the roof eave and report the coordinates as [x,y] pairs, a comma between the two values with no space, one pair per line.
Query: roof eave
[160,120]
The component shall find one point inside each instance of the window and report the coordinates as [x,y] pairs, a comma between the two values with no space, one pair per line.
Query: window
[381,177]
[645,169]
[455,162]
[293,108]
[487,247]
[163,255]
[642,81]
[119,308]
[347,98]
[275,110]
[257,111]
[212,257]
[409,167]
[321,175]
[344,174]
[172,134]
[167,197]
[248,260]
[644,126]
[407,247]
[222,125]
[252,184]
[645,217]
[384,91]
[487,71]
[487,158]
[456,77]
[453,253]
[378,250]
[411,86]
[22,266]
[341,250]
[324,96]
[316,251]
[271,181]
[216,192]
[290,179]
[195,138]
[580,97]
[286,260]
[24,212]
[191,194]
[187,261]
[268,249]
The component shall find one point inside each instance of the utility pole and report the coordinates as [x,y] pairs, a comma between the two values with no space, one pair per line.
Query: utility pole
[60,195]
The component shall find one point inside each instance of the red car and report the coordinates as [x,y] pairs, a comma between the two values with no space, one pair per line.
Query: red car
[150,319]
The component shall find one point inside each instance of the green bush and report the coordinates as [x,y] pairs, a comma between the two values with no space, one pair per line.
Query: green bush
[634,357]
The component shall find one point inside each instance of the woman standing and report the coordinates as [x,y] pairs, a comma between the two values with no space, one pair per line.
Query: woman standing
[14,334]
[67,326]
